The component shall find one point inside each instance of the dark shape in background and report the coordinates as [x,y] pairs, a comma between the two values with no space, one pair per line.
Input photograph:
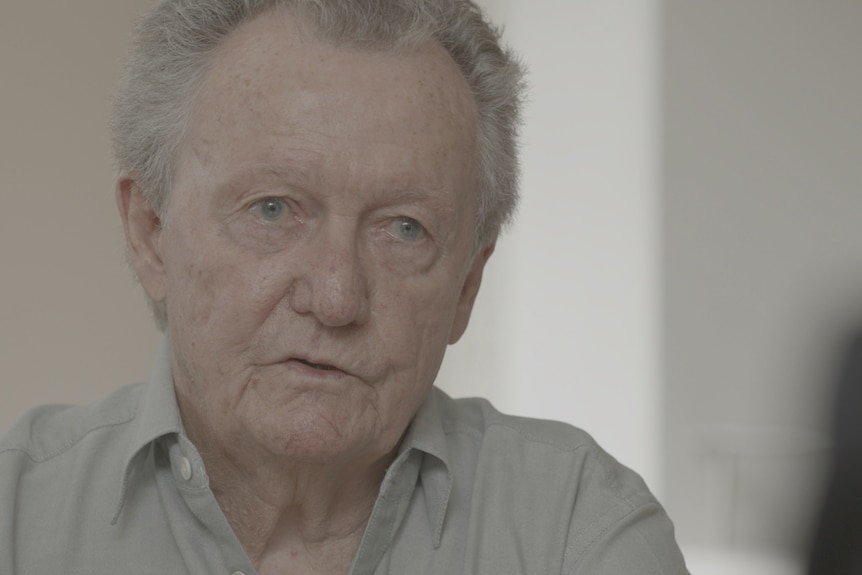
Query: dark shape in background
[837,543]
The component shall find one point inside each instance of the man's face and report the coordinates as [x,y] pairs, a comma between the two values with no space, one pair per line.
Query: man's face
[317,254]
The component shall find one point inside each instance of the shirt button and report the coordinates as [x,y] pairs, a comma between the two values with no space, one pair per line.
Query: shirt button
[238,573]
[186,469]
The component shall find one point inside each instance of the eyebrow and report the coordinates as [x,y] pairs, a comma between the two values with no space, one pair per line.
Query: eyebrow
[414,193]
[294,172]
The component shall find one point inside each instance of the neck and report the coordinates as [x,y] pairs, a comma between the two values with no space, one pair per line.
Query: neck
[308,517]
[312,502]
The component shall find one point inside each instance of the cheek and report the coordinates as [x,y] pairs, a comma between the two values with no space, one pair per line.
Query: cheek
[211,287]
[417,328]
[414,340]
[216,306]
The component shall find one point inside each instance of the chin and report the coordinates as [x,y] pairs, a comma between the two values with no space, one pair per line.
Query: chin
[320,438]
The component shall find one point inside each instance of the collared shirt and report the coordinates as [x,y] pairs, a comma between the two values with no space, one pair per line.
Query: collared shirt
[117,487]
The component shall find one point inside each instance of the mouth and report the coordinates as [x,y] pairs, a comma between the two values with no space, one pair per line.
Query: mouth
[320,366]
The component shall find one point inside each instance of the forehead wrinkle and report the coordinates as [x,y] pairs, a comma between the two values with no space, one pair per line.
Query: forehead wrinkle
[248,55]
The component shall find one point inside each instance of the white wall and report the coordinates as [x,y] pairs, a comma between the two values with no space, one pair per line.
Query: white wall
[567,323]
[762,276]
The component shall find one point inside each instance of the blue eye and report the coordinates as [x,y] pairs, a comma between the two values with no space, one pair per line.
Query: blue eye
[271,209]
[406,229]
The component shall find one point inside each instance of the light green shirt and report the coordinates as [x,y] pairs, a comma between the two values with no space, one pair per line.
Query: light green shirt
[117,488]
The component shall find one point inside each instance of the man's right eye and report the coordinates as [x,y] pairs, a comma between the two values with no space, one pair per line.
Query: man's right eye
[270,209]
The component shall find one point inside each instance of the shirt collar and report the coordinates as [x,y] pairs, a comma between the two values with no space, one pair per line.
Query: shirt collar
[426,434]
[157,415]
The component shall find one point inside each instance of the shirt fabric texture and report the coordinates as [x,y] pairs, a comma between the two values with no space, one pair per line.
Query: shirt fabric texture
[117,487]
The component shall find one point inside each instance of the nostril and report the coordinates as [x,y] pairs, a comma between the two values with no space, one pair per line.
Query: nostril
[299,296]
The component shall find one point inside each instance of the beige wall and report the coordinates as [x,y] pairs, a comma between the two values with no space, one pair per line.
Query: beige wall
[72,323]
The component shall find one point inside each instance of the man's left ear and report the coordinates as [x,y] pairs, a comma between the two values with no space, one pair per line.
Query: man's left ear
[468,293]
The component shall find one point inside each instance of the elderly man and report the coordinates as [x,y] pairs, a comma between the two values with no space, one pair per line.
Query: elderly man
[310,190]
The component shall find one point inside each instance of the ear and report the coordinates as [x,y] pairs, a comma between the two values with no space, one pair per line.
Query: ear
[468,293]
[143,229]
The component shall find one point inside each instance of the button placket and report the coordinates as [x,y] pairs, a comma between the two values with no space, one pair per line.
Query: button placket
[184,463]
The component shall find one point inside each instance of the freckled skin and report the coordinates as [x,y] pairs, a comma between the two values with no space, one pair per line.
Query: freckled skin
[349,142]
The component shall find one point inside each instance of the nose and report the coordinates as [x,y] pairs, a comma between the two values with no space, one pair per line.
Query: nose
[332,285]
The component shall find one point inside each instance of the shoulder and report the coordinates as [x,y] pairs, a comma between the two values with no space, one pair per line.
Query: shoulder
[47,431]
[478,417]
[545,450]
[551,479]
[564,445]
[62,472]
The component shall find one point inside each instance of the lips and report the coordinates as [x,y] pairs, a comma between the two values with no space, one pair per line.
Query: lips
[321,366]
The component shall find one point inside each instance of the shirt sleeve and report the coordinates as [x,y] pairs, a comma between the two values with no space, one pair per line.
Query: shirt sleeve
[642,542]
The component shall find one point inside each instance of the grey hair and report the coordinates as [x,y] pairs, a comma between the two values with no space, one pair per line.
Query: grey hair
[177,41]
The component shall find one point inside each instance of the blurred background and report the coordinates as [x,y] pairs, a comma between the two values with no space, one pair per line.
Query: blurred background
[682,280]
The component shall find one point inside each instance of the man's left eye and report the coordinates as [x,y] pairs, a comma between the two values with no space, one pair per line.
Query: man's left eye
[406,229]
